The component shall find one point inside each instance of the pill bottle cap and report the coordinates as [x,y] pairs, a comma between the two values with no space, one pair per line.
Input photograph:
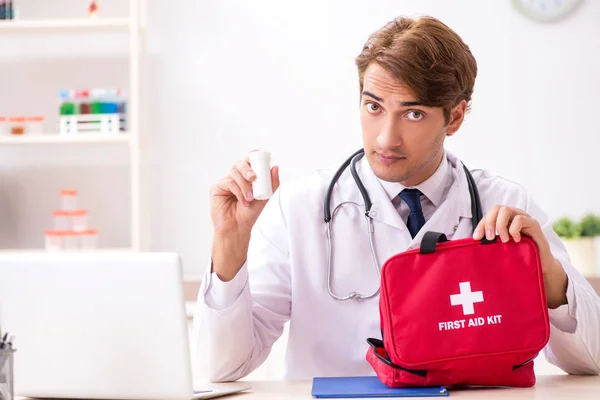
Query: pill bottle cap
[60,213]
[259,155]
[78,213]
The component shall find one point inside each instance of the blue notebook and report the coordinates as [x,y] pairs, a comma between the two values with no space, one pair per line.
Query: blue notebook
[366,387]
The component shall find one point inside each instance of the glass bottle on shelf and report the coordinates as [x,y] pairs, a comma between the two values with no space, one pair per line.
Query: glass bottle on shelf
[93,9]
[6,9]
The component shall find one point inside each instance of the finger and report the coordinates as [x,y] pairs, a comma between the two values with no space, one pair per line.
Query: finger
[490,223]
[244,185]
[479,230]
[228,186]
[516,227]
[245,170]
[275,178]
[505,216]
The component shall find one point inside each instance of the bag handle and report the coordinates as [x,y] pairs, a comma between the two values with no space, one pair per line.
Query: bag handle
[431,239]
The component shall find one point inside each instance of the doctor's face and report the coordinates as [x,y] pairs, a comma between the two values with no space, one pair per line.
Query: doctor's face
[403,140]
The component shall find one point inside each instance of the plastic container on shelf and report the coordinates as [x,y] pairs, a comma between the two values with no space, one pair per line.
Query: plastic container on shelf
[4,127]
[70,241]
[54,240]
[62,220]
[17,125]
[88,239]
[79,220]
[34,124]
[68,199]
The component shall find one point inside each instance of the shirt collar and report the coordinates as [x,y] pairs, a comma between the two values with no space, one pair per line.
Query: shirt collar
[433,187]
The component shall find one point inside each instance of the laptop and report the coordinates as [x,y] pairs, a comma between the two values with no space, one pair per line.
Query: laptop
[99,326]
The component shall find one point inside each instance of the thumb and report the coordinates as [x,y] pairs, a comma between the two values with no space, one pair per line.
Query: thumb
[275,178]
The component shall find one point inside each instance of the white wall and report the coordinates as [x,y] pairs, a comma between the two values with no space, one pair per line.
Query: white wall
[228,76]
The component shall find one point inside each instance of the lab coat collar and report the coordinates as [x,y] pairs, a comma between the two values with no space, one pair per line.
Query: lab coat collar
[456,205]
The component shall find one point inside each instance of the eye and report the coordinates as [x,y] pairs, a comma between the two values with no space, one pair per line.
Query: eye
[373,108]
[415,115]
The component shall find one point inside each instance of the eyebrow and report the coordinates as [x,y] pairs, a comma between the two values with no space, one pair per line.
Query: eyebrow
[403,103]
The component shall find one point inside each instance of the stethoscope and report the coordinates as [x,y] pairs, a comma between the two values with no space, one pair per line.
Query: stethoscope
[476,212]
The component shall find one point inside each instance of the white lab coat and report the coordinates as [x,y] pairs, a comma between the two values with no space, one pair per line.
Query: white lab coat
[285,278]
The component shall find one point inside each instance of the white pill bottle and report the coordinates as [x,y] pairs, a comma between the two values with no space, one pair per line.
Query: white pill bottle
[260,162]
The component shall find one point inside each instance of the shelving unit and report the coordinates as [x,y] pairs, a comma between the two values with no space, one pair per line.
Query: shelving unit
[64,26]
[55,138]
[29,251]
[134,26]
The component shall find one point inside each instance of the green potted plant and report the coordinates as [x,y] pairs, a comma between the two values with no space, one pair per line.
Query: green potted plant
[567,229]
[590,228]
[582,241]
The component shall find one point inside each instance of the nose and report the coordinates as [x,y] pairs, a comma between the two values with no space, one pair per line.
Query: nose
[389,136]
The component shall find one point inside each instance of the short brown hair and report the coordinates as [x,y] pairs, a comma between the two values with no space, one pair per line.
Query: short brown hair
[427,56]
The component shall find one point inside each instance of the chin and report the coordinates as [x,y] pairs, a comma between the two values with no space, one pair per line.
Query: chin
[388,174]
[392,172]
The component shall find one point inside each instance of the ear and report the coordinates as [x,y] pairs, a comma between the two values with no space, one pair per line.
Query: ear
[457,116]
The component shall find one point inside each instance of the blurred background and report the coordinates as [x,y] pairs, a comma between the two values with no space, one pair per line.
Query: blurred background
[195,85]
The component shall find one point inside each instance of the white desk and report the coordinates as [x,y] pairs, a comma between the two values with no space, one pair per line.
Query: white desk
[548,387]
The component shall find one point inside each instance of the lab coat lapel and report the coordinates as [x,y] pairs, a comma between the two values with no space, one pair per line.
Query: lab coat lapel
[382,210]
[453,216]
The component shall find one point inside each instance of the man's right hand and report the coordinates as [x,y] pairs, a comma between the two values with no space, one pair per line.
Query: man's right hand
[234,211]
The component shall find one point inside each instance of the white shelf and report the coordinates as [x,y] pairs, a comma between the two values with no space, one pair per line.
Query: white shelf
[64,25]
[37,251]
[55,138]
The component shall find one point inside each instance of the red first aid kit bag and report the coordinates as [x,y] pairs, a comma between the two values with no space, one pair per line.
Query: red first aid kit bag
[461,312]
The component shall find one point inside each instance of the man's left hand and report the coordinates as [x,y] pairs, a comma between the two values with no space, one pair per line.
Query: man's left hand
[512,222]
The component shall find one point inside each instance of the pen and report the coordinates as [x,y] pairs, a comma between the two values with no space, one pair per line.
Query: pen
[4,338]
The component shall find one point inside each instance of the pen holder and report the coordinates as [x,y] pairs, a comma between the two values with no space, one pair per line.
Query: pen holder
[6,374]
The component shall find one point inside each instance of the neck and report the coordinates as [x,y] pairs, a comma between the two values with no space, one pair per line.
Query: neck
[427,171]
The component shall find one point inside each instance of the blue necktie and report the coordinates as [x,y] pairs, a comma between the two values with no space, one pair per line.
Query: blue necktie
[416,219]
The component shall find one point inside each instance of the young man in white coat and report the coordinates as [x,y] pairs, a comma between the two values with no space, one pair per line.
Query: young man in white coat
[269,260]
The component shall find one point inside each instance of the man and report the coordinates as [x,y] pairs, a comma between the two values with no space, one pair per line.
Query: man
[416,80]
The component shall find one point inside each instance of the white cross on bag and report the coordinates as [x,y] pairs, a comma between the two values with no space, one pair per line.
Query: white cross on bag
[466,298]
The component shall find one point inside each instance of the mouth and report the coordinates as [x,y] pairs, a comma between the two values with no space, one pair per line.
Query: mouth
[389,158]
